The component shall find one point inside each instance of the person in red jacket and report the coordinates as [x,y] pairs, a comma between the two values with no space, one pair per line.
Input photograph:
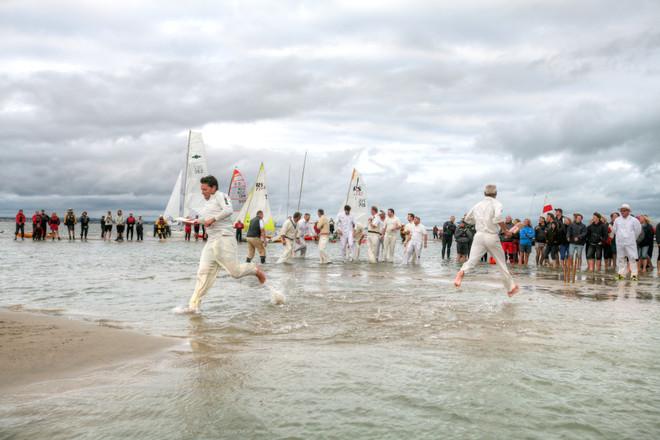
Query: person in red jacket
[239,230]
[54,223]
[188,229]
[20,225]
[36,226]
[130,226]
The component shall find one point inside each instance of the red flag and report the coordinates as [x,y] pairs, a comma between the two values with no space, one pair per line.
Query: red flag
[547,208]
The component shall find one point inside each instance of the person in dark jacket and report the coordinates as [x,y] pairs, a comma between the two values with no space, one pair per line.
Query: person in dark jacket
[45,220]
[539,239]
[645,243]
[139,228]
[551,241]
[657,241]
[576,233]
[84,226]
[448,231]
[596,237]
[463,237]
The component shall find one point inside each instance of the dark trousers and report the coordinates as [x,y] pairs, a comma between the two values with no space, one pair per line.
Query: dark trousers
[140,234]
[20,227]
[446,245]
[44,230]
[129,231]
[187,237]
[239,235]
[83,232]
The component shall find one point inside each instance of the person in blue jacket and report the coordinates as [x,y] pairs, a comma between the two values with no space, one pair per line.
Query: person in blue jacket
[527,235]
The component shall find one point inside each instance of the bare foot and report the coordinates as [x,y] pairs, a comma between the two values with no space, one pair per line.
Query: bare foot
[459,278]
[513,291]
[261,275]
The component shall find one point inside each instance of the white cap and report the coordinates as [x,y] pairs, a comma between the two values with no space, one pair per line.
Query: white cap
[625,206]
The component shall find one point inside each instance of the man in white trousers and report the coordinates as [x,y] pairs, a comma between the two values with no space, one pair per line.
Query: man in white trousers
[418,239]
[323,228]
[487,217]
[220,249]
[345,226]
[392,235]
[626,229]
[304,230]
[289,233]
[374,233]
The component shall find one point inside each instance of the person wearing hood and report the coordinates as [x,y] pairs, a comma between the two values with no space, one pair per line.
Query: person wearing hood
[84,226]
[626,229]
[527,235]
[70,222]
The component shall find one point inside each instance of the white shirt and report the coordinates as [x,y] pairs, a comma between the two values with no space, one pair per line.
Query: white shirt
[288,230]
[417,232]
[391,223]
[376,224]
[627,230]
[345,222]
[218,206]
[304,228]
[486,216]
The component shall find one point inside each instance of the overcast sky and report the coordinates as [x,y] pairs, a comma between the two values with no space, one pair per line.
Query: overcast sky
[429,100]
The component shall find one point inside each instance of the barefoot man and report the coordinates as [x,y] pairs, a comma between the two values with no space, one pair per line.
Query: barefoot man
[220,249]
[487,217]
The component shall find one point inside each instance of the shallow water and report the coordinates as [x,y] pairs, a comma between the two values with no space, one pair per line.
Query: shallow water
[357,351]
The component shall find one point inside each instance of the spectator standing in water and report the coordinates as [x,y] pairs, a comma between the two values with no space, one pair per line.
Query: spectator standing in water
[463,236]
[448,230]
[45,221]
[84,226]
[238,226]
[161,228]
[36,226]
[107,233]
[539,239]
[627,229]
[70,222]
[613,217]
[577,235]
[139,228]
[130,226]
[54,223]
[187,228]
[102,223]
[527,235]
[119,221]
[645,243]
[20,225]
[596,236]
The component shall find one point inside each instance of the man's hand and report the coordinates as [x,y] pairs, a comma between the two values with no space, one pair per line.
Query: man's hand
[209,221]
[508,234]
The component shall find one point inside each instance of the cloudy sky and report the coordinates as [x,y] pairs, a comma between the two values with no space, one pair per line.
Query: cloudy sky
[429,100]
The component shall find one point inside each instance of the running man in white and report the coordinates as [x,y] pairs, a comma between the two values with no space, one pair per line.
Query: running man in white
[374,233]
[345,225]
[323,226]
[220,249]
[289,233]
[392,228]
[418,239]
[487,217]
[304,230]
[626,229]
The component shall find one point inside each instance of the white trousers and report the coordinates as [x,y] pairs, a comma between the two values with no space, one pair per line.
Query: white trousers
[624,250]
[287,254]
[217,253]
[323,243]
[389,245]
[490,243]
[346,243]
[373,242]
[301,247]
[413,252]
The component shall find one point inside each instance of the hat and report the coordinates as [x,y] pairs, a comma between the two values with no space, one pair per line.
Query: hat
[625,206]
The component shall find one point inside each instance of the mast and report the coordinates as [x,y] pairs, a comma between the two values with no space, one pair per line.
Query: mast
[184,187]
[348,193]
[302,178]
[230,182]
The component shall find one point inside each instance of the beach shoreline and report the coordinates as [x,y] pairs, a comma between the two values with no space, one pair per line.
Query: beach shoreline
[38,348]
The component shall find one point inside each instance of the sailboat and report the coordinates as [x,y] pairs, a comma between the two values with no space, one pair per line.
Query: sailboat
[237,190]
[186,199]
[257,200]
[356,198]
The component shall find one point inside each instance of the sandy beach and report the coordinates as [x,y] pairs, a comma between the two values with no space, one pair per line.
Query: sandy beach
[35,348]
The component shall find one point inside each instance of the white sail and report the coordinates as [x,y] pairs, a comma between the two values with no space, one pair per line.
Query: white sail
[196,168]
[257,200]
[237,190]
[173,209]
[356,198]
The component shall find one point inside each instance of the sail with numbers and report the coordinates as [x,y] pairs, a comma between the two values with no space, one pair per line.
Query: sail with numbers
[257,200]
[356,198]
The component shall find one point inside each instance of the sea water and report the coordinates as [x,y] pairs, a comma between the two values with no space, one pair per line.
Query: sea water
[355,351]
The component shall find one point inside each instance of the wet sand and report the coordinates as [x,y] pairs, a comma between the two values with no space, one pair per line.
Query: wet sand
[36,348]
